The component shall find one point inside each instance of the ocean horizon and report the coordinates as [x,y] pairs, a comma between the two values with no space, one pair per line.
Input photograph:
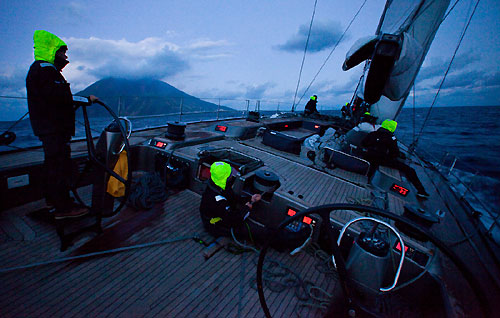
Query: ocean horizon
[466,135]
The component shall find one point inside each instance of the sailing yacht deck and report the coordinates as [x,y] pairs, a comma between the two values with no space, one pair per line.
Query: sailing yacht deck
[167,280]
[171,278]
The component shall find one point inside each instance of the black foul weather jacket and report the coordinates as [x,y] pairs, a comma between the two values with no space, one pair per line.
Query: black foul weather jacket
[217,208]
[311,107]
[381,145]
[50,102]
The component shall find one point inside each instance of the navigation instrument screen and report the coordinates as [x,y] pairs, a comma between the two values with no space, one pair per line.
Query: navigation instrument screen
[399,190]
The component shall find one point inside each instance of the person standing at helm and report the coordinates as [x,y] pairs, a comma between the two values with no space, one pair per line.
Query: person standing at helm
[52,117]
[220,213]
[310,108]
[382,149]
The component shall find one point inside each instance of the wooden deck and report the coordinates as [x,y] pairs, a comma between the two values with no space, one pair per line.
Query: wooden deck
[167,280]
[172,279]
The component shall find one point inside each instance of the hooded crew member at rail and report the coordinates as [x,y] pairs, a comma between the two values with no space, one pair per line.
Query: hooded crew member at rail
[310,108]
[52,117]
[220,213]
[382,149]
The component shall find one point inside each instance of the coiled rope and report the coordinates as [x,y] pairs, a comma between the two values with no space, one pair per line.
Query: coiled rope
[278,278]
[147,190]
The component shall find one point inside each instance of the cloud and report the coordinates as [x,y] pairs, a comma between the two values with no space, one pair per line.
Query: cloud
[150,58]
[73,13]
[204,44]
[437,66]
[462,80]
[13,79]
[207,50]
[470,79]
[237,91]
[323,35]
[258,91]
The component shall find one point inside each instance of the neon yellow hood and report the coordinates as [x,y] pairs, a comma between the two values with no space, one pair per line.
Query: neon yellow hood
[390,125]
[46,45]
[219,173]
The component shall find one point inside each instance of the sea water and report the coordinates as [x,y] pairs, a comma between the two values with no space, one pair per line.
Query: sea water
[465,141]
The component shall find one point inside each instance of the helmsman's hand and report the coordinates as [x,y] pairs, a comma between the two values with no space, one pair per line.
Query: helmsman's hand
[93,99]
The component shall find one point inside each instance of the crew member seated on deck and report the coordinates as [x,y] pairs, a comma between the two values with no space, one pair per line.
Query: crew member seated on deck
[220,213]
[382,149]
[310,109]
[368,123]
[355,136]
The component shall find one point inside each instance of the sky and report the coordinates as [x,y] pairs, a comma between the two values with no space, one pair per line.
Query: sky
[238,50]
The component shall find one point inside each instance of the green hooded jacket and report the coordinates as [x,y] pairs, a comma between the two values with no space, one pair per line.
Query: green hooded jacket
[50,101]
[46,46]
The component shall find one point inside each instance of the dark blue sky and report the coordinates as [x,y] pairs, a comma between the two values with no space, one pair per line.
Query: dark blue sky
[239,49]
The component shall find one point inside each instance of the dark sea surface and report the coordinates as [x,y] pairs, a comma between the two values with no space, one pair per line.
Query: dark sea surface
[471,135]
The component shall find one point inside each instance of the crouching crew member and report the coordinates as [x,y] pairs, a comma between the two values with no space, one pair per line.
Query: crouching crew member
[382,149]
[310,109]
[220,213]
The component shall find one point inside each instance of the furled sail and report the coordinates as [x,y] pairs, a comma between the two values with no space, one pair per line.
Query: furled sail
[396,53]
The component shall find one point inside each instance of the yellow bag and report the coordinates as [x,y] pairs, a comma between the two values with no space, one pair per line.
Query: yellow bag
[115,187]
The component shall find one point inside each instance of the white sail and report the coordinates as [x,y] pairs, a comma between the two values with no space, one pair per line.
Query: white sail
[415,24]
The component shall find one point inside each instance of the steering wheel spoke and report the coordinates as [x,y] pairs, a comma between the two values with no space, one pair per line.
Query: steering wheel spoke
[100,160]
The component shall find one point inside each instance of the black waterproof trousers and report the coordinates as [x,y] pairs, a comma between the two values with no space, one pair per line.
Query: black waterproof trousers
[408,171]
[57,170]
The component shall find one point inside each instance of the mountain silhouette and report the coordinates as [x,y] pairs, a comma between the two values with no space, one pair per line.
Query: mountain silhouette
[143,97]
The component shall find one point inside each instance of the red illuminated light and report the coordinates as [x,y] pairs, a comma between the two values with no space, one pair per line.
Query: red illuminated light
[291,212]
[307,220]
[286,126]
[160,144]
[221,128]
[399,189]
[316,126]
[398,247]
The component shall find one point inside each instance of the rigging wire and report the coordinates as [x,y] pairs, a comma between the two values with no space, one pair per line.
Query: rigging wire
[17,122]
[304,56]
[331,52]
[414,144]
[413,112]
[451,9]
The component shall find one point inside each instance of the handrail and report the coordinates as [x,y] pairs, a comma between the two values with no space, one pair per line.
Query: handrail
[442,168]
[440,163]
